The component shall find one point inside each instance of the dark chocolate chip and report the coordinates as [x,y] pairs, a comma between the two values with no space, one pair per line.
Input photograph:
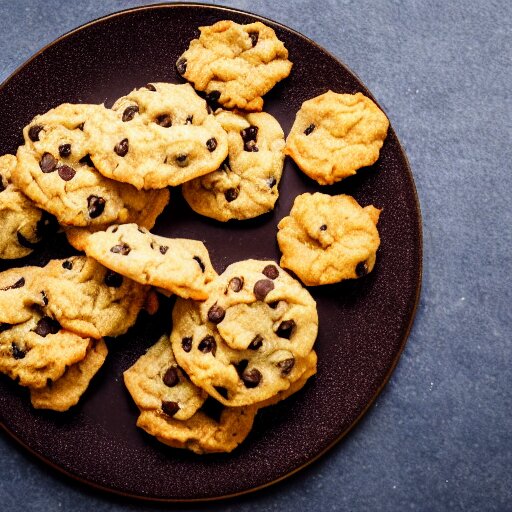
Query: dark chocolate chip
[86,160]
[208,344]
[17,353]
[24,242]
[45,298]
[361,269]
[251,378]
[262,288]
[223,392]
[236,284]
[181,66]
[121,148]
[254,38]
[68,265]
[113,279]
[286,365]
[129,112]
[256,343]
[309,129]
[250,146]
[170,408]
[285,329]
[216,314]
[181,160]
[200,262]
[231,194]
[33,132]
[151,87]
[164,120]
[271,272]
[47,163]
[171,377]
[65,150]
[271,182]
[213,96]
[47,326]
[123,249]
[66,172]
[323,227]
[164,248]
[18,284]
[189,120]
[95,205]
[250,133]
[186,344]
[211,144]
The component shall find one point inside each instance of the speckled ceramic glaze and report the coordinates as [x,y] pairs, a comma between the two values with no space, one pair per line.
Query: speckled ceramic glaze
[363,324]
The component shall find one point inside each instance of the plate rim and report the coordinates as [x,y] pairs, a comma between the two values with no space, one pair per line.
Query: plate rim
[418,244]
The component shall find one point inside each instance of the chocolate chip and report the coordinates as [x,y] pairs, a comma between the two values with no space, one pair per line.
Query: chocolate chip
[286,365]
[164,249]
[186,344]
[250,146]
[251,378]
[361,269]
[68,265]
[236,284]
[45,298]
[164,120]
[274,304]
[121,148]
[17,353]
[123,249]
[250,133]
[208,344]
[211,144]
[129,112]
[285,329]
[24,242]
[323,227]
[309,129]
[66,172]
[256,343]
[65,150]
[170,408]
[113,279]
[262,288]
[271,272]
[213,96]
[254,38]
[231,194]
[181,66]
[47,163]
[151,87]
[200,262]
[47,326]
[189,120]
[33,132]
[271,182]
[181,160]
[95,205]
[86,160]
[216,314]
[18,284]
[171,377]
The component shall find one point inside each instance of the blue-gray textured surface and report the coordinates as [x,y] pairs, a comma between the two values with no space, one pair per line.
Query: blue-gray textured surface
[440,435]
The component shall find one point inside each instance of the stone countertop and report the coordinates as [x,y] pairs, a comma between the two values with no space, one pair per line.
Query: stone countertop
[439,437]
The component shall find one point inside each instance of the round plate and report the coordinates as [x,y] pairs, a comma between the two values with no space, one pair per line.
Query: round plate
[363,323]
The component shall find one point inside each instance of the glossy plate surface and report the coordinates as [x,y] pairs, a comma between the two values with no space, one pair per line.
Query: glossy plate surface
[363,324]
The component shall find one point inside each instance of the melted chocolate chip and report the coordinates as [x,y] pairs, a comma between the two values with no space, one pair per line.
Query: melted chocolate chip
[236,284]
[95,206]
[208,344]
[164,120]
[68,265]
[33,132]
[164,249]
[47,163]
[86,160]
[256,343]
[231,194]
[171,377]
[309,129]
[262,288]
[170,408]
[121,148]
[271,182]
[66,172]
[216,314]
[186,344]
[271,272]
[286,365]
[123,249]
[113,279]
[24,242]
[361,269]
[251,378]
[254,38]
[285,329]
[189,120]
[18,284]
[151,87]
[200,262]
[17,352]
[47,326]
[129,112]
[181,66]
[211,144]
[323,227]
[65,150]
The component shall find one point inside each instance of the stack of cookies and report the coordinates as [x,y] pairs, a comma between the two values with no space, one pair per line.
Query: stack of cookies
[239,341]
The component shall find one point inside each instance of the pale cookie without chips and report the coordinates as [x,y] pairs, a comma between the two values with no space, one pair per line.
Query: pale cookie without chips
[177,265]
[251,338]
[235,64]
[327,239]
[55,171]
[23,224]
[246,184]
[334,135]
[156,137]
[66,391]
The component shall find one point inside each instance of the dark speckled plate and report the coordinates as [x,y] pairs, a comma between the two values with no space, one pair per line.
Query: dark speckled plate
[363,324]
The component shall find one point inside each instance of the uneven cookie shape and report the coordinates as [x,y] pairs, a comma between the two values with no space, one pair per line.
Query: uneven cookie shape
[251,338]
[335,134]
[55,171]
[66,391]
[23,224]
[177,265]
[156,137]
[235,64]
[246,184]
[327,239]
[170,406]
